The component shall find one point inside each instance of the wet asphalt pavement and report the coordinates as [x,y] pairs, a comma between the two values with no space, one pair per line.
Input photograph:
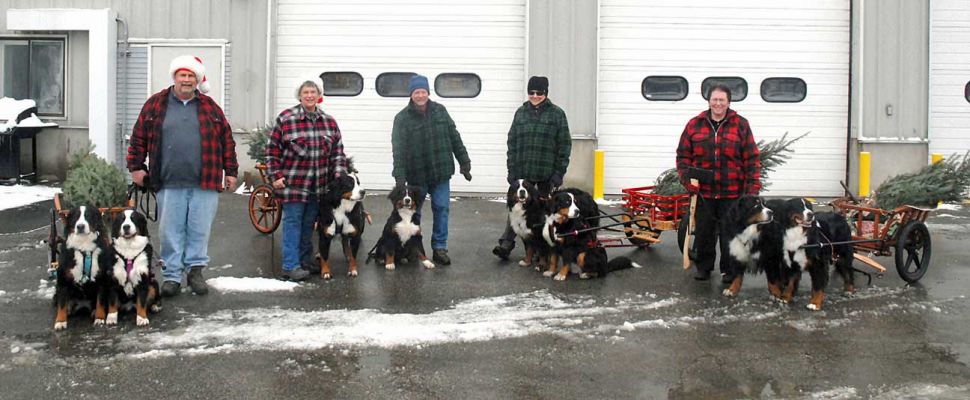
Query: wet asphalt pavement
[483,328]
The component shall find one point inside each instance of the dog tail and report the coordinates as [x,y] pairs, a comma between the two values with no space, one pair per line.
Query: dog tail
[621,262]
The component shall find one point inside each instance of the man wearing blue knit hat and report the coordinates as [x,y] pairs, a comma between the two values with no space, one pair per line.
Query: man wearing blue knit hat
[424,140]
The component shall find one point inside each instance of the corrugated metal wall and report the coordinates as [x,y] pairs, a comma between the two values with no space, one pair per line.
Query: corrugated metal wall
[241,22]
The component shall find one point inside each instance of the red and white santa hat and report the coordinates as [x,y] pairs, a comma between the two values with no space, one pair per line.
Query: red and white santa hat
[192,64]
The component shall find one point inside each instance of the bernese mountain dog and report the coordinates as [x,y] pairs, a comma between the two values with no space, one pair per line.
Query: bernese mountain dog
[527,215]
[570,212]
[132,280]
[807,238]
[753,243]
[83,260]
[402,232]
[594,263]
[341,213]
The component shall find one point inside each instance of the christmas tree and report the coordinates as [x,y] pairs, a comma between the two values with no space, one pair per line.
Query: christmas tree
[945,181]
[91,180]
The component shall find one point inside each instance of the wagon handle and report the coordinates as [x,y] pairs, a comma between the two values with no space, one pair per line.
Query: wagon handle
[848,193]
[596,228]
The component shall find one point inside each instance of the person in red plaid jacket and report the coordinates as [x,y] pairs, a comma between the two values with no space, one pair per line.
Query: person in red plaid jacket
[182,147]
[304,152]
[718,139]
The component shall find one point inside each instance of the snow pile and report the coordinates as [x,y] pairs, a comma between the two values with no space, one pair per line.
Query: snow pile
[19,195]
[227,284]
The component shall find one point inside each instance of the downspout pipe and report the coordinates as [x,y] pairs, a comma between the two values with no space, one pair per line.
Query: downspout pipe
[124,51]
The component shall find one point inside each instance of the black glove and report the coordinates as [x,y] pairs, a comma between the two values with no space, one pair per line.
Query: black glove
[466,171]
[555,179]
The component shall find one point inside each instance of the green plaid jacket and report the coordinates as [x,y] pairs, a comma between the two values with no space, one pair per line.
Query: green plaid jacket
[423,145]
[539,143]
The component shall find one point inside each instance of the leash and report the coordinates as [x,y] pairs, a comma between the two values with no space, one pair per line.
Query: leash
[143,198]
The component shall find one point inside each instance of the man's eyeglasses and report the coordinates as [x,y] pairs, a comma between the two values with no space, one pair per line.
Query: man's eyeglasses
[536,93]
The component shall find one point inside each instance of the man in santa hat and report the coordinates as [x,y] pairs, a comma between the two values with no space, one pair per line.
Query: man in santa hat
[182,147]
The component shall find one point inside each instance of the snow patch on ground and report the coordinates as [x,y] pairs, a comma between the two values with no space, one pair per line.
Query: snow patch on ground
[950,206]
[227,284]
[20,195]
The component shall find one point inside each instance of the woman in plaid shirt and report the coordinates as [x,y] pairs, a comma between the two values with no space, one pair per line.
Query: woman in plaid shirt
[304,152]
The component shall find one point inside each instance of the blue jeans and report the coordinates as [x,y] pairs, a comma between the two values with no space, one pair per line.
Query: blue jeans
[440,201]
[298,219]
[185,218]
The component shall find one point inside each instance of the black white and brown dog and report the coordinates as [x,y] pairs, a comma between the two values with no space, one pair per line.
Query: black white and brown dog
[594,263]
[402,232]
[527,213]
[132,280]
[807,245]
[754,244]
[83,260]
[341,213]
[570,212]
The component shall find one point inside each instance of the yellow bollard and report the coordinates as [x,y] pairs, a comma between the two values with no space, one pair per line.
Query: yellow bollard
[598,157]
[937,157]
[865,165]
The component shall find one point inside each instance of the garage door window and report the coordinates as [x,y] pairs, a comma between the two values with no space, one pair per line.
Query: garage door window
[966,92]
[463,85]
[34,69]
[738,86]
[664,88]
[342,83]
[394,84]
[783,90]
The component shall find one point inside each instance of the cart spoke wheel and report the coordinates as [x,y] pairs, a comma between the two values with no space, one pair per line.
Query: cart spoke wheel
[913,250]
[631,230]
[265,209]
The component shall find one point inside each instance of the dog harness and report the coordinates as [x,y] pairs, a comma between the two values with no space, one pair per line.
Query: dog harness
[130,264]
[86,267]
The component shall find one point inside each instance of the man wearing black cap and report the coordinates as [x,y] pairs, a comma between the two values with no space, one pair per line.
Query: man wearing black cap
[538,149]
[423,141]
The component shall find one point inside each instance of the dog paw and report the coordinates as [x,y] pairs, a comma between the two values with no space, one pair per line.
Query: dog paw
[389,267]
[112,319]
[98,322]
[584,276]
[813,307]
[59,326]
[155,308]
[560,277]
[352,273]
[427,264]
[141,321]
[728,293]
[547,274]
[524,263]
[326,276]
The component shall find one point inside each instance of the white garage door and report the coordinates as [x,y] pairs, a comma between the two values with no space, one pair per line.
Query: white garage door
[429,38]
[949,125]
[750,39]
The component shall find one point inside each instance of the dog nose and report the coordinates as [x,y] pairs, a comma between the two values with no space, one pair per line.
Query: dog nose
[521,193]
[362,192]
[80,228]
[811,216]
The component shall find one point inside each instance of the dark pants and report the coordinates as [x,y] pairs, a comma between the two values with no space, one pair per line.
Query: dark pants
[708,233]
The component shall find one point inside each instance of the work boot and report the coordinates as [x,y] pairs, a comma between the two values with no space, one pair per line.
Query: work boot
[502,250]
[171,288]
[295,274]
[197,282]
[441,257]
[702,275]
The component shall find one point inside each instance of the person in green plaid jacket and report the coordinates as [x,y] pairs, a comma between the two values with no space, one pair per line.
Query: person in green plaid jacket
[424,140]
[539,147]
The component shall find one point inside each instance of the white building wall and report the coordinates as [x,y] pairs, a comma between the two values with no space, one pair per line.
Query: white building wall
[949,121]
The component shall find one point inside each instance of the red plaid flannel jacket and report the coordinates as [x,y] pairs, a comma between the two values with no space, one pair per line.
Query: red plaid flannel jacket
[730,151]
[218,146]
[307,150]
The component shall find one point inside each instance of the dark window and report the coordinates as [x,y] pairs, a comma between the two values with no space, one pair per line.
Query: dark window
[34,69]
[457,85]
[394,84]
[966,92]
[664,88]
[783,90]
[738,86]
[342,83]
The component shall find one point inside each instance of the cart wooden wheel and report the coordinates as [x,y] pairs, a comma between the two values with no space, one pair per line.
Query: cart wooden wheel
[265,209]
[631,231]
[913,250]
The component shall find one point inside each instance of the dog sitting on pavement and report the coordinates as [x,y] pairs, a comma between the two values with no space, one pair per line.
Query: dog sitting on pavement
[132,280]
[82,264]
